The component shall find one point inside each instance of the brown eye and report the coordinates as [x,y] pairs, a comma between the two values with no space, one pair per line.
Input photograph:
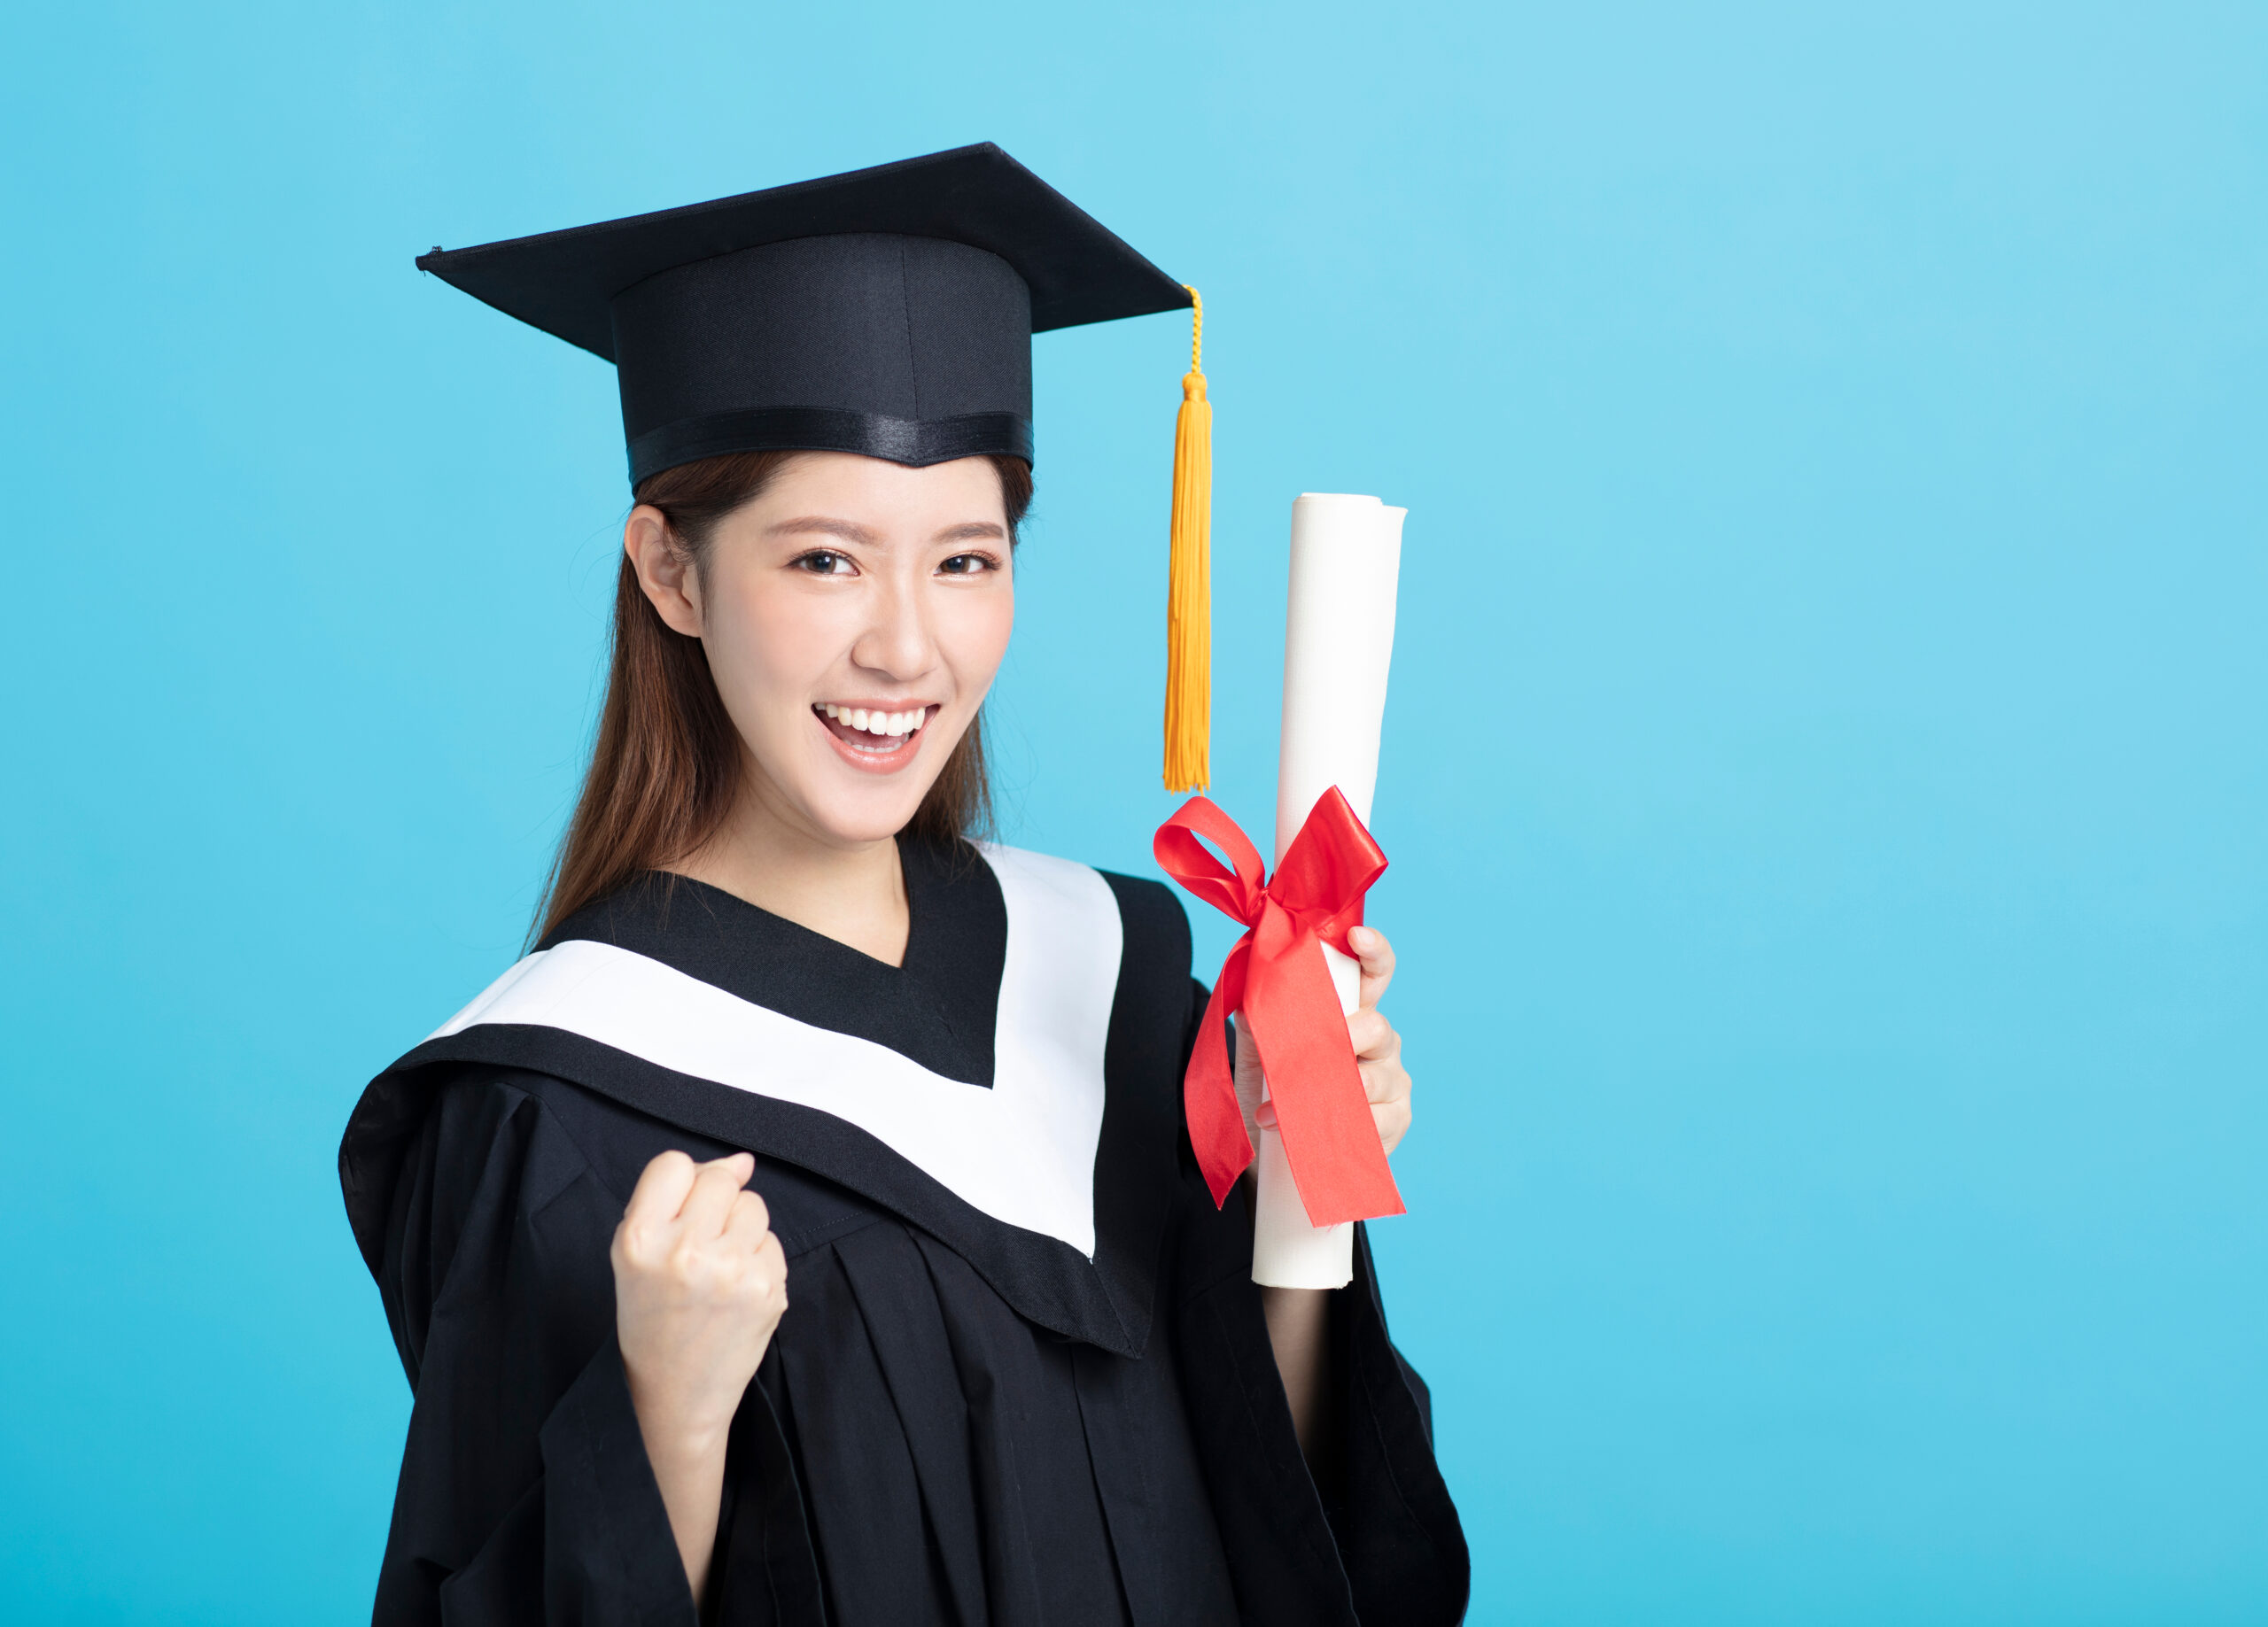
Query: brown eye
[824,563]
[967,565]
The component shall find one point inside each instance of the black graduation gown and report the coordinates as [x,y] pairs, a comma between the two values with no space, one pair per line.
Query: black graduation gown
[997,1395]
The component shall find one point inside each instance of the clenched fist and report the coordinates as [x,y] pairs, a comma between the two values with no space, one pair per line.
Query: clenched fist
[699,1286]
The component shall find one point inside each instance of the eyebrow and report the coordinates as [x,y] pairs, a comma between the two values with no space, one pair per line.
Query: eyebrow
[851,530]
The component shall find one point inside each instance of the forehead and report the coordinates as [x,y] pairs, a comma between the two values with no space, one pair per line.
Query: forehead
[881,495]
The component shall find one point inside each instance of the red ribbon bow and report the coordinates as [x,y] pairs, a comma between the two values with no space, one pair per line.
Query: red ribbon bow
[1278,980]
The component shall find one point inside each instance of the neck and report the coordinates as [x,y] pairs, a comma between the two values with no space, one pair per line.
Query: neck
[853,893]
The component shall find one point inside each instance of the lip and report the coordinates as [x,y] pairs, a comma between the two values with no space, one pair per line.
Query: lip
[893,758]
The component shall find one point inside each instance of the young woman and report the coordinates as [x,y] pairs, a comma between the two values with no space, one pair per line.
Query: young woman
[804,1231]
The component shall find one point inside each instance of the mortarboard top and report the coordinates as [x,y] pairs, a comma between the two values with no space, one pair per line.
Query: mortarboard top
[886,312]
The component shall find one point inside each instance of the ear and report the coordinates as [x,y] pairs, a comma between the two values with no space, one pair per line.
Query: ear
[671,583]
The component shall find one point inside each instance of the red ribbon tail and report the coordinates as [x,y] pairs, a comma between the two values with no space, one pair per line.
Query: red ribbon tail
[1208,1091]
[1330,1139]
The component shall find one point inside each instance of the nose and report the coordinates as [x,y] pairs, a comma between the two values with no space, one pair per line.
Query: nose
[896,643]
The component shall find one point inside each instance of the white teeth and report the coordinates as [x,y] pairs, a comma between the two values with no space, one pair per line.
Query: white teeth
[888,724]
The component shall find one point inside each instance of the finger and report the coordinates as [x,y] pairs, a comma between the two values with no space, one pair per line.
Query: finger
[1385,1082]
[709,1204]
[772,1263]
[661,1190]
[1372,1036]
[1376,956]
[1392,1119]
[749,1222]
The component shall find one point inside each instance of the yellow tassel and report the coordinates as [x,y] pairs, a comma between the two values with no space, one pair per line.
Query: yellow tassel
[1189,590]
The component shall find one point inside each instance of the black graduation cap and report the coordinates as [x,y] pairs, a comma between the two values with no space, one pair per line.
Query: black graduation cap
[886,312]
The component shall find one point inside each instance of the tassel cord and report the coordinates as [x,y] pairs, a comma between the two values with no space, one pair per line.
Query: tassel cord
[1189,594]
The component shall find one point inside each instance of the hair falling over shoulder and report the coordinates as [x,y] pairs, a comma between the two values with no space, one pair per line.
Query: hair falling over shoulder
[665,765]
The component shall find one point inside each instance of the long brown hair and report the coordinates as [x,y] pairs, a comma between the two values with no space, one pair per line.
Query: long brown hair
[666,763]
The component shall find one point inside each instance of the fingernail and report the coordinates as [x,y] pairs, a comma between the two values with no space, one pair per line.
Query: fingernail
[1363,937]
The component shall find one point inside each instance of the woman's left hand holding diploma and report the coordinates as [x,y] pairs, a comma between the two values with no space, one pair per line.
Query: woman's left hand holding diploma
[1299,1318]
[1378,1050]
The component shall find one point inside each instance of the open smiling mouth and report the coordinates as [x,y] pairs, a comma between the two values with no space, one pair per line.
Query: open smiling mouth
[874,736]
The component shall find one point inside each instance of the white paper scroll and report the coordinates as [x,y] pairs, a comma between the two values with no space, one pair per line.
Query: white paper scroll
[1338,642]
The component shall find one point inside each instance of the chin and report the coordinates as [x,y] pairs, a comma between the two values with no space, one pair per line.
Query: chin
[856,815]
[857,828]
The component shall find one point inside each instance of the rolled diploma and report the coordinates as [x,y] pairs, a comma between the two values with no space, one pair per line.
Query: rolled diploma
[1338,642]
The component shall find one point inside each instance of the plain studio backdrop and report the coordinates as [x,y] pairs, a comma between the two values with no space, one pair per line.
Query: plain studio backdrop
[1825,770]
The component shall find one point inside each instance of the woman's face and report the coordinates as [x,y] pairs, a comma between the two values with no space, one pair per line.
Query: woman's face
[854,615]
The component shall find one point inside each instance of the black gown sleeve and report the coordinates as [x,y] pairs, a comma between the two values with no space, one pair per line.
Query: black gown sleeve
[525,1495]
[1374,1539]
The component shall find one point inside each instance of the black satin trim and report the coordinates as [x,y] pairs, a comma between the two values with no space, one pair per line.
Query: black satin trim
[916,441]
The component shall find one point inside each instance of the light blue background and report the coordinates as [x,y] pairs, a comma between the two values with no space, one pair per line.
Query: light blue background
[1825,773]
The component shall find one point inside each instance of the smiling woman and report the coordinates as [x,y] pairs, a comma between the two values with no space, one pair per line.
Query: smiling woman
[668,764]
[789,1029]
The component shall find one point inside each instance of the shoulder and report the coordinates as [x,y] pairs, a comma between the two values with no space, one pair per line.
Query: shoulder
[436,1136]
[526,1139]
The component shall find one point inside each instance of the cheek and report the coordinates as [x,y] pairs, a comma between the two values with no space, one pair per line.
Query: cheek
[972,632]
[767,648]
